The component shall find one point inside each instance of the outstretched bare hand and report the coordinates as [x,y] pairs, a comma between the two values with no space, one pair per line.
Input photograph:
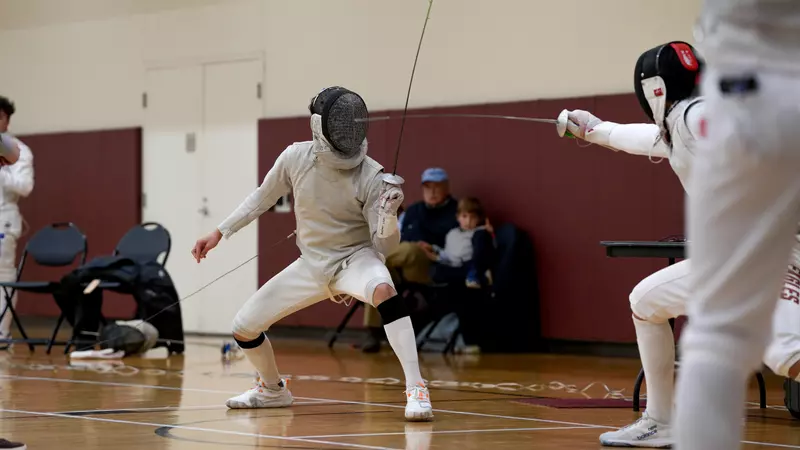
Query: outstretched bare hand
[205,244]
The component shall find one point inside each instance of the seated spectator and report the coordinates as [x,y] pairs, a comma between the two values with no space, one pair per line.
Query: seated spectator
[423,225]
[465,257]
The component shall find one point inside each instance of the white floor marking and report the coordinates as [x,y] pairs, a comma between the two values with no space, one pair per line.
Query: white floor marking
[182,427]
[492,430]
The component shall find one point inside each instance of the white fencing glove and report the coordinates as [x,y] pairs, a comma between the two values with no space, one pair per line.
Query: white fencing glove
[388,204]
[586,126]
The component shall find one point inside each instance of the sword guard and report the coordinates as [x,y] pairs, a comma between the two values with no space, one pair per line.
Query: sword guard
[393,179]
[561,124]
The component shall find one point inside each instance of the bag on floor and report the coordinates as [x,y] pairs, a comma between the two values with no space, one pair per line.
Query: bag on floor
[134,337]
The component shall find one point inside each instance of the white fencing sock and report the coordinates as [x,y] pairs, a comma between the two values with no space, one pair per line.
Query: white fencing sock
[657,352]
[259,353]
[400,334]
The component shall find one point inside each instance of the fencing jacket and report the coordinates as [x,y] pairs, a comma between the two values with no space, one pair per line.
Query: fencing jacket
[335,203]
[643,139]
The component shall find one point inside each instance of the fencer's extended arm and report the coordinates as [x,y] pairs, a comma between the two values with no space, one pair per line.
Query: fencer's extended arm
[275,185]
[18,177]
[382,214]
[634,138]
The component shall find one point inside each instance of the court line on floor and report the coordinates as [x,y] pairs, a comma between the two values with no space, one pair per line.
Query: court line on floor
[207,430]
[321,400]
[488,430]
[468,413]
[771,444]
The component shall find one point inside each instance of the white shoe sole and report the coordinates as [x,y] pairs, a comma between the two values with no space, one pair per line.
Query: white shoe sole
[239,405]
[655,443]
[419,416]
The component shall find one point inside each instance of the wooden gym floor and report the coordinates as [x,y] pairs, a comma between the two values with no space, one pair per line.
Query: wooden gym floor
[344,400]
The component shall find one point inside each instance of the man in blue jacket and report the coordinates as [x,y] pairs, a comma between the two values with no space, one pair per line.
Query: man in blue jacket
[423,225]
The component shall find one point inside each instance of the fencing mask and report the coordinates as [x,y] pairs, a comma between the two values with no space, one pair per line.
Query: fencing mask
[667,73]
[340,108]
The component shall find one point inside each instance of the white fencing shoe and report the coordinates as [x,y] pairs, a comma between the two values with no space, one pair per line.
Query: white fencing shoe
[418,406]
[262,396]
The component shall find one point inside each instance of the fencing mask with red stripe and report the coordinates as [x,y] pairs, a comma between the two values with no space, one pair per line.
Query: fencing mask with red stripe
[667,73]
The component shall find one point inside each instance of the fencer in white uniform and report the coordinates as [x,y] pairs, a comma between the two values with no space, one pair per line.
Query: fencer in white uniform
[664,294]
[16,182]
[346,212]
[743,210]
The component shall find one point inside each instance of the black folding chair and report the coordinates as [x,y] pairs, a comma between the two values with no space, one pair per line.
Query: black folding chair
[143,243]
[56,245]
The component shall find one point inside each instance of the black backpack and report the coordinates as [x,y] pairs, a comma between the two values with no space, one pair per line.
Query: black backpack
[148,283]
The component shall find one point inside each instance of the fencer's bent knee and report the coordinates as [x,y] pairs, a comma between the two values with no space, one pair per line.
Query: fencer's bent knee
[242,327]
[382,292]
[643,307]
[377,288]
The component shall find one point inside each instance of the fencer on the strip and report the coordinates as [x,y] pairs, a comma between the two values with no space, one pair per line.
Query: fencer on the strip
[665,78]
[16,182]
[346,213]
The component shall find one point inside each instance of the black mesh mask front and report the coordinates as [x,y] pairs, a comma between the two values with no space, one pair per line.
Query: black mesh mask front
[344,118]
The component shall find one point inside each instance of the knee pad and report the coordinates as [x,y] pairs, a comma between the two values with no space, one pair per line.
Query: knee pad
[251,343]
[393,309]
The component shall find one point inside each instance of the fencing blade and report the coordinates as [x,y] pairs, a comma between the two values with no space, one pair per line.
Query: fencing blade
[473,116]
[560,122]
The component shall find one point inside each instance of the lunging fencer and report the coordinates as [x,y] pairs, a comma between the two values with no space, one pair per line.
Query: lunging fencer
[665,81]
[16,182]
[346,212]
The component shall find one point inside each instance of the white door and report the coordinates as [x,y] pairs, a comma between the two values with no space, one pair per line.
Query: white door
[232,108]
[171,172]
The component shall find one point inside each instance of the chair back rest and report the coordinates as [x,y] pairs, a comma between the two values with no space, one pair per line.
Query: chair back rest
[145,243]
[56,245]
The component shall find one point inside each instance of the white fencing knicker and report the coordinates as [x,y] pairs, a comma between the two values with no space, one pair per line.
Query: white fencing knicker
[10,230]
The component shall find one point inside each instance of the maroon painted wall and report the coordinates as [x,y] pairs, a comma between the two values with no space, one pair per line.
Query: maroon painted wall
[92,179]
[567,198]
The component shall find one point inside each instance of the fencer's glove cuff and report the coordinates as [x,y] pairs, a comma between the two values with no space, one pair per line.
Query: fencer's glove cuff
[387,225]
[600,134]
[388,204]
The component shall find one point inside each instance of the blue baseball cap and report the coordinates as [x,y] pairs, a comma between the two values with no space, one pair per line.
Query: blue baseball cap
[434,175]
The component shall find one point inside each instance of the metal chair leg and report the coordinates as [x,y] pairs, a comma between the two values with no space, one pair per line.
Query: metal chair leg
[19,325]
[344,322]
[55,333]
[637,387]
[451,343]
[762,390]
[427,335]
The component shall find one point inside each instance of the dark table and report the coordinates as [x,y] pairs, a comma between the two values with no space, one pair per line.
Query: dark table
[645,249]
